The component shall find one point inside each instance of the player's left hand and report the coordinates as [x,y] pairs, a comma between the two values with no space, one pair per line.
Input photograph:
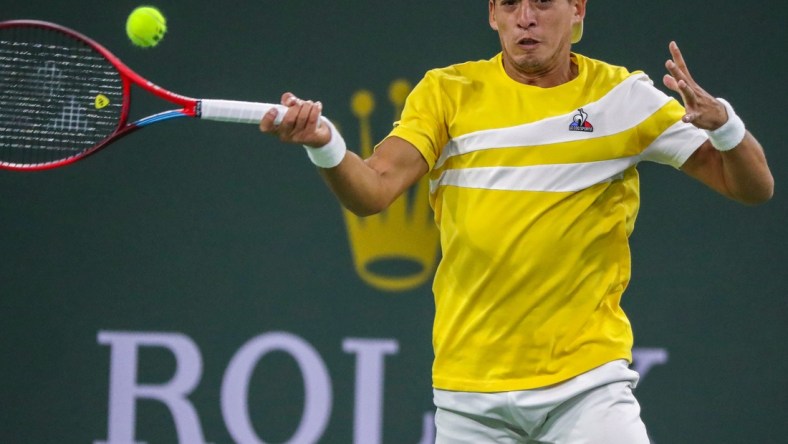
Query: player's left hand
[703,110]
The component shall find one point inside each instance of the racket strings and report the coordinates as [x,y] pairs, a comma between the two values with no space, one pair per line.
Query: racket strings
[59,97]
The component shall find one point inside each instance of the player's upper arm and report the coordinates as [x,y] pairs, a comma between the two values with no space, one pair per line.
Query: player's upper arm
[398,164]
[705,165]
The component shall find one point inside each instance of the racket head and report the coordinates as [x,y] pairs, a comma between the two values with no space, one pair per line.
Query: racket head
[61,95]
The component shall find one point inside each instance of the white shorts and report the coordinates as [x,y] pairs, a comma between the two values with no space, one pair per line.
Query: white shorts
[596,407]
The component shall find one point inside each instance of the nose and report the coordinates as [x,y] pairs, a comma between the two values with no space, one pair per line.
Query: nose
[526,16]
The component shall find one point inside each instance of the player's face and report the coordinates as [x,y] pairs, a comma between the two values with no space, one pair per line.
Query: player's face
[535,34]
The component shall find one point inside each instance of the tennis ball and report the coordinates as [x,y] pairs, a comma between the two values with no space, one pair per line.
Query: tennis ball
[146,26]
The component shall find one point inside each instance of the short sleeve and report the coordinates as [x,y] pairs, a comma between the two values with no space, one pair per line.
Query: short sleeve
[423,122]
[673,141]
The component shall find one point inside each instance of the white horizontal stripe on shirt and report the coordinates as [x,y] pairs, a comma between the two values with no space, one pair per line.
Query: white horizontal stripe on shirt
[604,114]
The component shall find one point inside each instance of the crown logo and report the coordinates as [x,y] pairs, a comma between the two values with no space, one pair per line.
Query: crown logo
[396,250]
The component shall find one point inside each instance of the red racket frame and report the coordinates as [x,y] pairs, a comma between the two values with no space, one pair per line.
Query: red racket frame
[190,106]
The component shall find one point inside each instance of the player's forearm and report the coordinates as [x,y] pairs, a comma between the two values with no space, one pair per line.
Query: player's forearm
[746,173]
[357,186]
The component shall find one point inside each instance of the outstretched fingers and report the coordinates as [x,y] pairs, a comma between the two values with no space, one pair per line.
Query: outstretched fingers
[680,81]
[679,61]
[702,109]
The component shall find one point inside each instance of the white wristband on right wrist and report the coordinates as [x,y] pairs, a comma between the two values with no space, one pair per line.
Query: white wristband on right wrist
[330,154]
[731,133]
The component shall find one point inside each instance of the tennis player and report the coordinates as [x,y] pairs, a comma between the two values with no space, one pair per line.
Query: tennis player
[531,157]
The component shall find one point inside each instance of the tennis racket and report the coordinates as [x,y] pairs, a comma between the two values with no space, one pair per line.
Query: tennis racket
[63,97]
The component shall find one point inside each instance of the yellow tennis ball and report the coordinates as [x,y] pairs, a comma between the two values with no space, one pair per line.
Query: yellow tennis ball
[146,26]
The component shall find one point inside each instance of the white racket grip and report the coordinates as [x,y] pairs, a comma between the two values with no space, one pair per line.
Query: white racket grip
[238,112]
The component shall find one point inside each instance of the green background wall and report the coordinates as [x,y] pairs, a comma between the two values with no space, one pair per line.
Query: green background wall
[221,235]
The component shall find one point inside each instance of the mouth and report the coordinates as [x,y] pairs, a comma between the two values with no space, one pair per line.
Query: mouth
[527,43]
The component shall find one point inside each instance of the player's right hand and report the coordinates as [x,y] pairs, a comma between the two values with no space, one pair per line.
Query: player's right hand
[301,123]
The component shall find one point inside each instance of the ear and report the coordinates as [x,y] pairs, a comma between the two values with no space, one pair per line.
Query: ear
[580,10]
[491,9]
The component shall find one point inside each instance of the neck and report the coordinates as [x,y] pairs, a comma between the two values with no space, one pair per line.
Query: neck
[542,75]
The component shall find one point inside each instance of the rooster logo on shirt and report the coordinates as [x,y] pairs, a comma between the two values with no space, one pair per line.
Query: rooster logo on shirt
[580,122]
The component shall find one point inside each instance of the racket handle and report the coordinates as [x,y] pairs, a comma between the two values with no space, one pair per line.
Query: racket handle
[238,112]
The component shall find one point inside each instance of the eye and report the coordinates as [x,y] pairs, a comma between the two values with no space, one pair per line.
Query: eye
[543,3]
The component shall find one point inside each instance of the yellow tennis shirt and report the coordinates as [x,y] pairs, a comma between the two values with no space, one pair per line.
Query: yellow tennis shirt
[535,193]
